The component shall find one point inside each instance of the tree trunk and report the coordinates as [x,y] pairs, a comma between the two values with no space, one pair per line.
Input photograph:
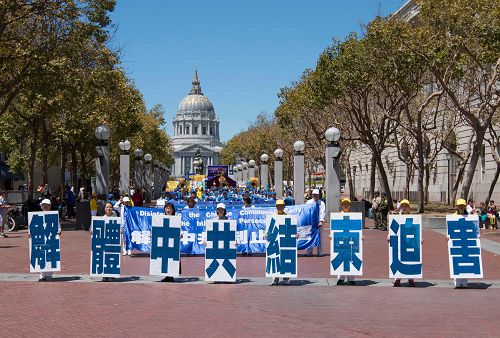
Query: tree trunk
[83,171]
[471,169]
[407,180]
[493,184]
[420,180]
[31,165]
[385,182]
[352,193]
[45,155]
[74,170]
[427,182]
[373,168]
[63,168]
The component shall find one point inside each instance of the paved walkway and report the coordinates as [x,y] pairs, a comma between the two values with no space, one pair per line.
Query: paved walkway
[138,304]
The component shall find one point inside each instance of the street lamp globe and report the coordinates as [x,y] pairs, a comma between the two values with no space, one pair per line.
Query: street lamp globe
[332,134]
[148,157]
[138,152]
[251,163]
[102,132]
[126,145]
[299,146]
[278,153]
[264,157]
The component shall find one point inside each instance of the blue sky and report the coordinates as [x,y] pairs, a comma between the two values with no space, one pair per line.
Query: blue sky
[245,51]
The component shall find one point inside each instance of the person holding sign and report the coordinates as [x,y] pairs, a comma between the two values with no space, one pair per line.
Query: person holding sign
[464,236]
[46,206]
[404,209]
[169,209]
[342,279]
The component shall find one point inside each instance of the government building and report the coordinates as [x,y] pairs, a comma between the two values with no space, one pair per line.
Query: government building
[196,130]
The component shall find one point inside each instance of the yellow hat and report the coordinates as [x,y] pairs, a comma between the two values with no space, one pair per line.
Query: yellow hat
[346,200]
[278,202]
[461,201]
[405,201]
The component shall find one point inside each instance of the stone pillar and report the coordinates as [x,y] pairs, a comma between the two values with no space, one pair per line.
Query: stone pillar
[298,172]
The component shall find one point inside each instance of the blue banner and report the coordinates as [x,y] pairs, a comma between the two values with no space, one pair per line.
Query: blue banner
[251,225]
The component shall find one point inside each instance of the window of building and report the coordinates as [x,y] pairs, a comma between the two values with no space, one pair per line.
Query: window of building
[187,129]
[180,130]
[195,130]
[211,131]
[204,130]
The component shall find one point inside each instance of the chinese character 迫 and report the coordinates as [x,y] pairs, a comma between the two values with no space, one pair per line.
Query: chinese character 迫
[405,256]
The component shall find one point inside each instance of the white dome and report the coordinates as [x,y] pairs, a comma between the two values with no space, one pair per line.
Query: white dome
[195,103]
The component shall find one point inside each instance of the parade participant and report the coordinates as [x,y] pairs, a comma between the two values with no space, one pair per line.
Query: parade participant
[322,214]
[169,209]
[341,279]
[247,202]
[375,210]
[280,210]
[108,212]
[46,206]
[221,211]
[460,283]
[404,209]
[4,213]
[492,215]
[471,209]
[191,203]
[93,204]
[383,208]
[124,202]
[137,197]
[160,202]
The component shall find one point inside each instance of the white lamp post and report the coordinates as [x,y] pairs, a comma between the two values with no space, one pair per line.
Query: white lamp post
[298,172]
[102,134]
[124,167]
[332,171]
[264,171]
[278,173]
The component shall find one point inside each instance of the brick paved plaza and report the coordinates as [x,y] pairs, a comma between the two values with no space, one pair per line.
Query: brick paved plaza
[313,305]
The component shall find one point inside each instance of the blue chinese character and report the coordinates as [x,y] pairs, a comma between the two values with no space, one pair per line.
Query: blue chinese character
[410,248]
[273,249]
[105,247]
[346,243]
[165,251]
[226,235]
[464,249]
[37,233]
[44,243]
[53,254]
[288,247]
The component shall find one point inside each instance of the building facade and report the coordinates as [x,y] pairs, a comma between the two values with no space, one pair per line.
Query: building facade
[196,128]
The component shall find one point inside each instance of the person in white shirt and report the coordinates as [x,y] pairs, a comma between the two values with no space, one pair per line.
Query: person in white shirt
[160,202]
[322,214]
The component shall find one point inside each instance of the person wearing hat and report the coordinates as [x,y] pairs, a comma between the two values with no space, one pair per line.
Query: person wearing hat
[46,206]
[461,204]
[404,209]
[221,211]
[322,213]
[341,279]
[160,202]
[124,202]
[280,210]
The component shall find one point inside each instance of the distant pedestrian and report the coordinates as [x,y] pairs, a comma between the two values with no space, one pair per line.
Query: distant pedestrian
[321,218]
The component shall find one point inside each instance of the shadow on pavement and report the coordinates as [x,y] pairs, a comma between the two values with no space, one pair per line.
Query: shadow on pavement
[243,281]
[127,279]
[364,282]
[423,284]
[300,282]
[481,286]
[187,280]
[65,279]
[8,246]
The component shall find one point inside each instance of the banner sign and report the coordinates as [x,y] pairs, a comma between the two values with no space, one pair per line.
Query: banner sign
[220,254]
[281,250]
[346,249]
[45,246]
[105,258]
[250,227]
[464,246]
[165,246]
[405,246]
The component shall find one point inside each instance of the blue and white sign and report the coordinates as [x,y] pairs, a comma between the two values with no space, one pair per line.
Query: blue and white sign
[250,229]
[346,249]
[464,246]
[105,258]
[281,250]
[165,246]
[45,246]
[405,246]
[220,254]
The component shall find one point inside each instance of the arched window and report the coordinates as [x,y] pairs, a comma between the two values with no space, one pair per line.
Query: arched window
[187,130]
